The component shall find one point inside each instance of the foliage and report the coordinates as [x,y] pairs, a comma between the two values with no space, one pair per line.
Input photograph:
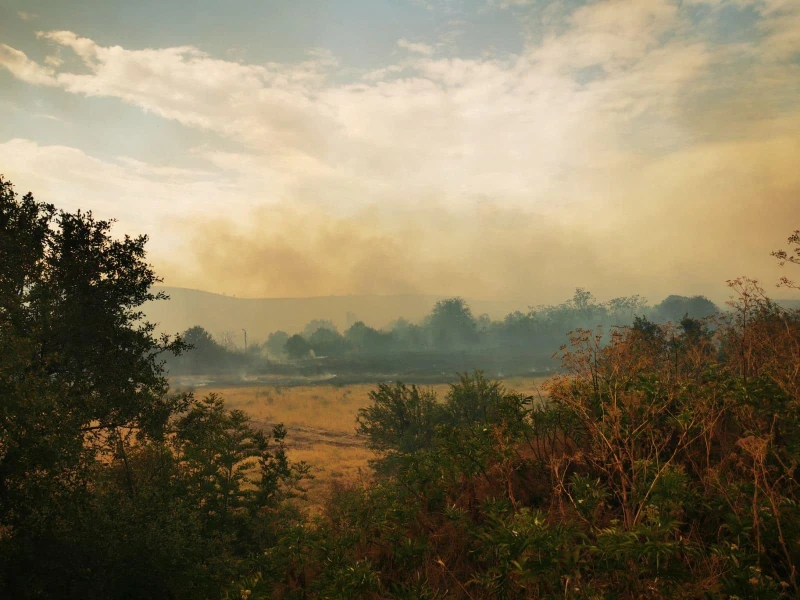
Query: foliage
[78,366]
[674,308]
[661,463]
[447,341]
[276,343]
[326,342]
[451,324]
[451,339]
[791,256]
[110,486]
[203,354]
[401,419]
[316,324]
[297,347]
[362,338]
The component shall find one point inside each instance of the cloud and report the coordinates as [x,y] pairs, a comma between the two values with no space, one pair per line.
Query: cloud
[24,68]
[506,4]
[567,100]
[416,47]
[778,23]
[680,224]
[614,35]
[622,149]
[49,117]
[145,198]
[781,24]
[53,61]
[684,223]
[27,16]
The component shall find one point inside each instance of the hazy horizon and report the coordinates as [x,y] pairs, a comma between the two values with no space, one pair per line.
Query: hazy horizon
[724,294]
[510,150]
[227,315]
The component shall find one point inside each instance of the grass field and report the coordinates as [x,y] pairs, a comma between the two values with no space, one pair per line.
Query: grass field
[321,423]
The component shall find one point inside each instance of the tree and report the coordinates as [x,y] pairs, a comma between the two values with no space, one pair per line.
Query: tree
[203,343]
[519,327]
[315,324]
[408,334]
[297,347]
[674,308]
[401,419]
[276,343]
[228,341]
[790,256]
[326,342]
[204,355]
[484,324]
[624,309]
[583,302]
[363,338]
[81,373]
[219,448]
[451,323]
[84,360]
[110,487]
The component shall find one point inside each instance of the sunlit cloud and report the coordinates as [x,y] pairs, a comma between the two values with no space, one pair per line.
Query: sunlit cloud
[24,68]
[623,130]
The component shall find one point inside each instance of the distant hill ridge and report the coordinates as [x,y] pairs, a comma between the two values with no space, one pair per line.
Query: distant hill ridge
[219,313]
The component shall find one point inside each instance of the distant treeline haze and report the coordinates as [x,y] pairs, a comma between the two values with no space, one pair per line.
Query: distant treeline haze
[449,338]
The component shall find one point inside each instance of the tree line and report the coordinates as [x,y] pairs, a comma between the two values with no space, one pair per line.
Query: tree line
[450,329]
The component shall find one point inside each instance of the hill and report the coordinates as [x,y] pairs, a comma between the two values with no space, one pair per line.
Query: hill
[261,316]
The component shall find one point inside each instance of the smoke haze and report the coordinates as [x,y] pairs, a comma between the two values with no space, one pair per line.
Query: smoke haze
[629,148]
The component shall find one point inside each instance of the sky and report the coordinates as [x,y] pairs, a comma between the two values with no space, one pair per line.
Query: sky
[494,149]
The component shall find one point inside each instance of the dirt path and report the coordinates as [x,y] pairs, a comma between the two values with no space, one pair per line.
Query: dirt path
[304,437]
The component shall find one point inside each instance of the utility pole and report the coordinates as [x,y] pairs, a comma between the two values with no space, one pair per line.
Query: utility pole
[245,340]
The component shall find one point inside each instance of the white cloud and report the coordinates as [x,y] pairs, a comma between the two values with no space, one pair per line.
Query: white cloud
[49,117]
[781,24]
[27,16]
[614,35]
[416,47]
[24,68]
[53,60]
[617,101]
[614,82]
[505,4]
[140,194]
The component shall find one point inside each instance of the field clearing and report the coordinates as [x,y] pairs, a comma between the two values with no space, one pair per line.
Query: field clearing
[321,423]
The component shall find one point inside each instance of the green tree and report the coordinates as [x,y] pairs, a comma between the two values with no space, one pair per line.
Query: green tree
[110,487]
[204,355]
[219,449]
[81,372]
[327,342]
[451,323]
[297,347]
[77,358]
[315,324]
[623,310]
[402,419]
[674,308]
[407,335]
[276,343]
[363,338]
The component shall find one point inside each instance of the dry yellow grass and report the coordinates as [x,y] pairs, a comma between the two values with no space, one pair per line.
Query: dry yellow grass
[321,423]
